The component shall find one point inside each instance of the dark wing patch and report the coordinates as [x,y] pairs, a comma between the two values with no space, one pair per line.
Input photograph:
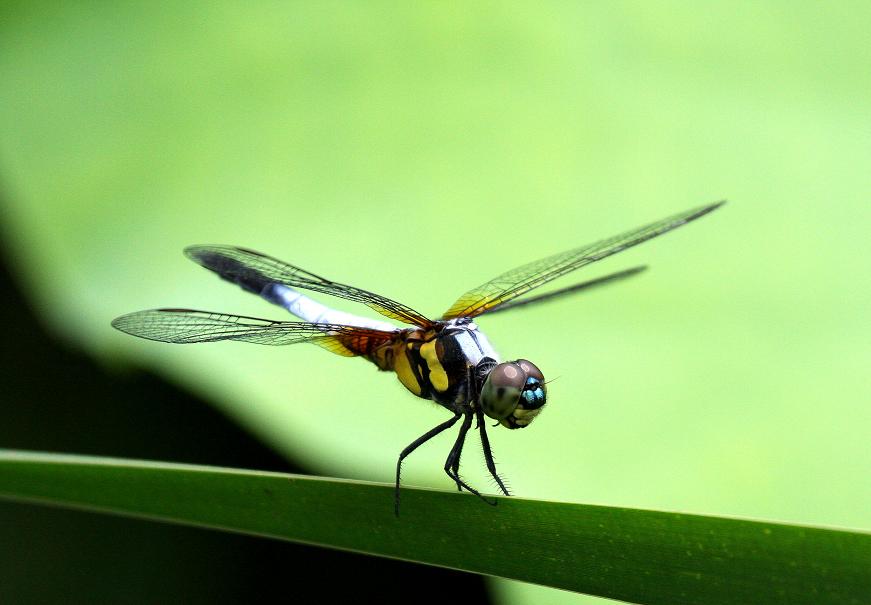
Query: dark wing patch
[253,271]
[184,326]
[521,280]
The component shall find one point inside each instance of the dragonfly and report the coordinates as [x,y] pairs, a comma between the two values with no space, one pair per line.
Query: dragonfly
[447,360]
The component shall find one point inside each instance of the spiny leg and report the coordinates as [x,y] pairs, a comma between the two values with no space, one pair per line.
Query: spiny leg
[455,466]
[414,445]
[452,464]
[488,454]
[456,452]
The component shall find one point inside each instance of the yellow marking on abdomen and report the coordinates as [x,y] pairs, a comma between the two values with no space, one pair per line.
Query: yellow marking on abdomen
[437,375]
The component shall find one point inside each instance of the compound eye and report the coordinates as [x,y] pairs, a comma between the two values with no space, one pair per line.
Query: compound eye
[534,393]
[531,369]
[502,389]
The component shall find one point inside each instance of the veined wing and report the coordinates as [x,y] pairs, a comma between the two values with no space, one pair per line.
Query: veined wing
[185,326]
[581,287]
[521,280]
[253,271]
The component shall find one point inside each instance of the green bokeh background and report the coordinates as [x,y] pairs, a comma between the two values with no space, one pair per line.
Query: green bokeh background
[419,149]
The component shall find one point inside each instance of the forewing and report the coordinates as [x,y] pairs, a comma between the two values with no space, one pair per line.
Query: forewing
[521,280]
[183,326]
[253,270]
[557,294]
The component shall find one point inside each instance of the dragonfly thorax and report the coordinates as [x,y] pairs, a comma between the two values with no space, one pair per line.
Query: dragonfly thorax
[440,363]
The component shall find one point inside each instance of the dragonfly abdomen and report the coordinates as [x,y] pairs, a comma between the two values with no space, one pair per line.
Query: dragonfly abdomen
[310,310]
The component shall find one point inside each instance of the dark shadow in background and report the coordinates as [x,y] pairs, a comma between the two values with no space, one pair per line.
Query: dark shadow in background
[58,400]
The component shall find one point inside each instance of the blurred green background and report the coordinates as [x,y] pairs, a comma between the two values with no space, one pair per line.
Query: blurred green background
[418,150]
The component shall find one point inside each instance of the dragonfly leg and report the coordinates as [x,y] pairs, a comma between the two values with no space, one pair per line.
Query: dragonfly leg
[414,445]
[488,454]
[455,471]
[452,464]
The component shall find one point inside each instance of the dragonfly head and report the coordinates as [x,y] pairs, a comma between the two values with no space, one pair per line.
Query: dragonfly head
[513,393]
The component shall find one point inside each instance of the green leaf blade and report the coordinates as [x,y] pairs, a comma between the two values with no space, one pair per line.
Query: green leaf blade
[633,555]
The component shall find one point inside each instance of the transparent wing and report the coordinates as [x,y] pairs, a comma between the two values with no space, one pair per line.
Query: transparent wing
[183,326]
[252,271]
[519,281]
[581,287]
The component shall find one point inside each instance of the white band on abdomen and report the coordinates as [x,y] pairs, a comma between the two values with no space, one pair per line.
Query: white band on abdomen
[312,311]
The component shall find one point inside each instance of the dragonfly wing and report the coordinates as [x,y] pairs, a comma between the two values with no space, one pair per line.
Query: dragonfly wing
[581,287]
[184,326]
[253,271]
[521,280]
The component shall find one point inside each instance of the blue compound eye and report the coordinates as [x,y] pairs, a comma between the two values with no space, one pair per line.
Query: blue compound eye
[514,393]
[533,395]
